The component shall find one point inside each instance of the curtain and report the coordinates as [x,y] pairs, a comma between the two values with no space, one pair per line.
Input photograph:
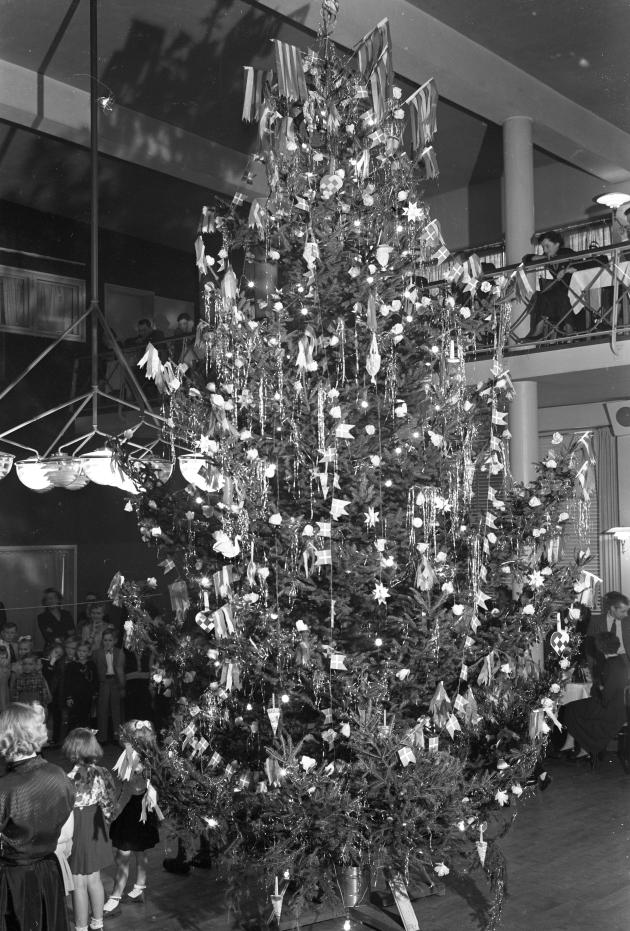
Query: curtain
[605,450]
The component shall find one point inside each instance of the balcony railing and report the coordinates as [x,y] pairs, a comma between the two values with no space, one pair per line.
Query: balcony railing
[580,298]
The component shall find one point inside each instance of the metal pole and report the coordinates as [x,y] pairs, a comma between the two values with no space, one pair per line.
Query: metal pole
[94,270]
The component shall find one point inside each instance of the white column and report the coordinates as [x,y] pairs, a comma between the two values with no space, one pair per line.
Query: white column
[523,423]
[518,186]
[518,197]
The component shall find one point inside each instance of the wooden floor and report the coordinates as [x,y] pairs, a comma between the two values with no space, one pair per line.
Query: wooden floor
[568,856]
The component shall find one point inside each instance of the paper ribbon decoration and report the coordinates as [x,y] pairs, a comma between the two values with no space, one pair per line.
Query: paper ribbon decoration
[272,771]
[481,844]
[422,109]
[440,706]
[167,565]
[373,363]
[180,600]
[255,80]
[126,763]
[223,580]
[337,661]
[290,70]
[549,707]
[150,803]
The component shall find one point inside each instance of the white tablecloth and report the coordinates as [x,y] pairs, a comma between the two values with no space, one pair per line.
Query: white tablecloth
[573,691]
[590,279]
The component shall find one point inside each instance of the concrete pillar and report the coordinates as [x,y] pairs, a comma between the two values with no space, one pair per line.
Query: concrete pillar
[518,186]
[518,198]
[523,423]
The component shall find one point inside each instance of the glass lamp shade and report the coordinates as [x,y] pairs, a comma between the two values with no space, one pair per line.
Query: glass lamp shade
[34,474]
[163,469]
[191,465]
[66,472]
[101,467]
[6,461]
[614,200]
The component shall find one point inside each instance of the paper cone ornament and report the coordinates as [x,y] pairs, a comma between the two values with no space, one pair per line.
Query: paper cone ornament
[276,902]
[482,848]
[274,719]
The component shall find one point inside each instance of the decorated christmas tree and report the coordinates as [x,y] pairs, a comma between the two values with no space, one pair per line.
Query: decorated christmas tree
[345,690]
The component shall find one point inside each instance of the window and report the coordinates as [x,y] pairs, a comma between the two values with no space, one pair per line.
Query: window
[41,304]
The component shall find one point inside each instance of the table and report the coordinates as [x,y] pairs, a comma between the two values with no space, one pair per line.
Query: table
[574,691]
[592,279]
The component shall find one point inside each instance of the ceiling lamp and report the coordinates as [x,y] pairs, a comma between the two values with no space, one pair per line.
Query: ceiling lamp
[33,473]
[6,461]
[162,468]
[65,472]
[614,200]
[191,466]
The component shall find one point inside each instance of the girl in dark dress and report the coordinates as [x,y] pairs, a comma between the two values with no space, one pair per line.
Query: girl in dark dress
[36,799]
[136,827]
[593,721]
[93,808]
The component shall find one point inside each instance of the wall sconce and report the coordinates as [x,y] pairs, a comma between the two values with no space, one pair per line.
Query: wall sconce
[622,535]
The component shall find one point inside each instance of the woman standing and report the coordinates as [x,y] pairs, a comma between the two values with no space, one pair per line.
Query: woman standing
[55,623]
[36,799]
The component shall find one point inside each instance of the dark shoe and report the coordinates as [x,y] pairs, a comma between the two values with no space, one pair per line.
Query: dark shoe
[176,865]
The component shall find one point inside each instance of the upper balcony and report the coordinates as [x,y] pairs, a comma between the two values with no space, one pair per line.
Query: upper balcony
[570,327]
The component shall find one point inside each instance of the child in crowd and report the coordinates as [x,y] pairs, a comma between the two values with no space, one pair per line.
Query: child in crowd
[9,635]
[93,809]
[70,648]
[24,647]
[80,688]
[52,666]
[110,671]
[5,675]
[136,827]
[29,685]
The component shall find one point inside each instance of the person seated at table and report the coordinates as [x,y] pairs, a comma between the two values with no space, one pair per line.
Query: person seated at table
[593,722]
[551,310]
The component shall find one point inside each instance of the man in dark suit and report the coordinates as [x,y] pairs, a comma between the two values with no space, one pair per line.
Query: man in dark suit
[614,618]
[110,671]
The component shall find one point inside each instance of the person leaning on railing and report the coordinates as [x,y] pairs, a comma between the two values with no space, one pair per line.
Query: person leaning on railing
[550,306]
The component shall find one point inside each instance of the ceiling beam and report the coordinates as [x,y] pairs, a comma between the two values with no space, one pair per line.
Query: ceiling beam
[469,75]
[45,105]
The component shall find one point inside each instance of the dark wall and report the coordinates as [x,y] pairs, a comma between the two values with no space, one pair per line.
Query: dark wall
[93,519]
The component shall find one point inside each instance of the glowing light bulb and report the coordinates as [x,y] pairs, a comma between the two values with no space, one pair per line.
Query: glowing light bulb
[250,284]
[357,223]
[285,699]
[415,434]
[399,228]
[198,500]
[248,707]
[388,483]
[364,405]
[378,642]
[398,450]
[369,279]
[205,581]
